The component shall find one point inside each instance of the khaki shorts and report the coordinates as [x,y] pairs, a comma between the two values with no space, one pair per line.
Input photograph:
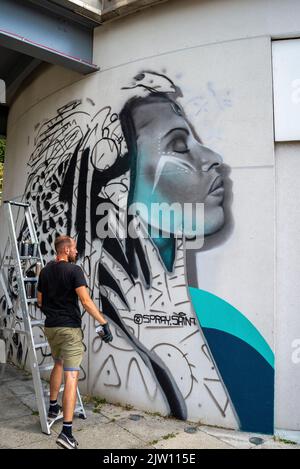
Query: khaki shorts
[66,344]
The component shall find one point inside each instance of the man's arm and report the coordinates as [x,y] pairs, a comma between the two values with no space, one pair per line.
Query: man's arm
[39,299]
[89,305]
[39,291]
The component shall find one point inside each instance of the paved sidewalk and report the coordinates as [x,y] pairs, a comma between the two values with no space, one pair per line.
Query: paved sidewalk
[110,426]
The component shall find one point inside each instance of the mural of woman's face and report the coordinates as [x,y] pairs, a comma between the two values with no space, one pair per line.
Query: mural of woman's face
[173,166]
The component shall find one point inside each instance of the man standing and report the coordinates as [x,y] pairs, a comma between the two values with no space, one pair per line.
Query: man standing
[61,283]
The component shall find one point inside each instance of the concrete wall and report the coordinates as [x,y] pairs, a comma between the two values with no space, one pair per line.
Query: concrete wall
[287,282]
[217,367]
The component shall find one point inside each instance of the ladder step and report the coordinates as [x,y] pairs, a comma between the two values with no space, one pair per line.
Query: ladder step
[79,409]
[30,279]
[46,367]
[41,345]
[18,204]
[37,322]
[31,300]
[29,257]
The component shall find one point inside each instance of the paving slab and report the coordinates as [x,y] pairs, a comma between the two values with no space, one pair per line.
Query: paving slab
[93,419]
[48,442]
[149,428]
[21,388]
[198,440]
[240,440]
[108,436]
[8,372]
[29,400]
[12,408]
[117,412]
[5,392]
[20,431]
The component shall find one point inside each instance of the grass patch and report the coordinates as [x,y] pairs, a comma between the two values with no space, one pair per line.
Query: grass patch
[97,401]
[34,412]
[128,407]
[153,414]
[153,442]
[168,436]
[283,440]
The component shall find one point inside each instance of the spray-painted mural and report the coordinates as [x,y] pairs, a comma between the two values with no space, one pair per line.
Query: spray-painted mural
[177,349]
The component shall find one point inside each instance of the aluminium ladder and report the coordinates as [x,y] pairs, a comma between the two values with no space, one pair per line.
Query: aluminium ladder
[25,299]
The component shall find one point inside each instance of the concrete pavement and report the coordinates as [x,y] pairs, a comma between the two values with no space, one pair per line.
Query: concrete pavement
[110,426]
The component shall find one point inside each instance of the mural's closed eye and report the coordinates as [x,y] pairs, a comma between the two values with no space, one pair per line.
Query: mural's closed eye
[176,140]
[178,145]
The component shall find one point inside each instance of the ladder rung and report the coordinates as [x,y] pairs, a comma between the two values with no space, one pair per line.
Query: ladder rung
[41,345]
[31,300]
[29,257]
[37,322]
[30,279]
[18,204]
[46,367]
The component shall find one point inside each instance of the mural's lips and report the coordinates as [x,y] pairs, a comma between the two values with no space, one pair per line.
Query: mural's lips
[217,187]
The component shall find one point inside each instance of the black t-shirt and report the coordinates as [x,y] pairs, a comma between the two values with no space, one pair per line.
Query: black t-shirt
[57,283]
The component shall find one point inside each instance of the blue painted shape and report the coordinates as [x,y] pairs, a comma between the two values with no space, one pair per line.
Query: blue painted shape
[243,357]
[248,377]
[215,313]
[167,251]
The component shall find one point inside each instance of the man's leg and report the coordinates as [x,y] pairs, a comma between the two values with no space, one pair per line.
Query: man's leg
[70,394]
[55,384]
[56,379]
[65,438]
[72,353]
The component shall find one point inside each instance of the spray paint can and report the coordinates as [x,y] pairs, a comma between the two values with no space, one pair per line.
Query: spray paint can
[30,249]
[34,249]
[20,248]
[28,289]
[25,245]
[38,268]
[33,289]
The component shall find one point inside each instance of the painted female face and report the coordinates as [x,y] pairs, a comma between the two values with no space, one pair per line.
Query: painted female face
[174,167]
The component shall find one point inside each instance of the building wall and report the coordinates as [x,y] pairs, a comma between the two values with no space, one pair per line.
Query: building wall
[67,134]
[287,321]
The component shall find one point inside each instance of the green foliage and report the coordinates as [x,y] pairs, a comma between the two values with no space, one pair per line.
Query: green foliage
[168,436]
[96,401]
[2,150]
[153,442]
[283,440]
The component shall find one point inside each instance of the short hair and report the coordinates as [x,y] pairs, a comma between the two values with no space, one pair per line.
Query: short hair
[62,241]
